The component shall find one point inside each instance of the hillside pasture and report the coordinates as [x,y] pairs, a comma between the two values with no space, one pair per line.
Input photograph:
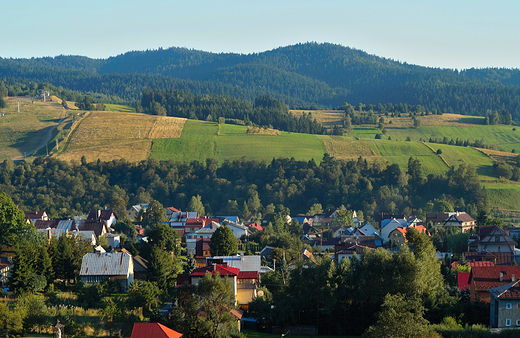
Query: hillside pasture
[328,118]
[115,135]
[455,156]
[234,145]
[346,148]
[503,195]
[400,152]
[167,127]
[23,132]
[200,141]
[119,108]
[197,142]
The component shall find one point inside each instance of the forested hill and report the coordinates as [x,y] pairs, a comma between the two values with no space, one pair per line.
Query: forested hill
[303,75]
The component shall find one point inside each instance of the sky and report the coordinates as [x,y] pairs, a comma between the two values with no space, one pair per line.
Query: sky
[457,34]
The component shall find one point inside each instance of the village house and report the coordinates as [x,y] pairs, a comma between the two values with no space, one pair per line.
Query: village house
[114,266]
[205,232]
[33,216]
[137,209]
[348,250]
[397,237]
[459,220]
[202,251]
[505,305]
[106,216]
[155,330]
[483,278]
[491,239]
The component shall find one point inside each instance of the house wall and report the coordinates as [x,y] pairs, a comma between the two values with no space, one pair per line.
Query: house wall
[504,313]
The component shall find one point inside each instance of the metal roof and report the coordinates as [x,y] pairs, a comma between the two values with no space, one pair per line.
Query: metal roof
[106,264]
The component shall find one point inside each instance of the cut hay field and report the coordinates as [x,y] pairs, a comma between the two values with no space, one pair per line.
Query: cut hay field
[347,148]
[328,118]
[115,135]
[23,132]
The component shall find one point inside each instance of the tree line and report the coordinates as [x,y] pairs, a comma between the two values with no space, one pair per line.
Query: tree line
[62,188]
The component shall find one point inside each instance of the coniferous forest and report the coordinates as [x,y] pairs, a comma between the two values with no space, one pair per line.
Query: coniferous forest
[306,76]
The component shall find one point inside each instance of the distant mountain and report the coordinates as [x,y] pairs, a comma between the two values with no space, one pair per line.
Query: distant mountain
[303,75]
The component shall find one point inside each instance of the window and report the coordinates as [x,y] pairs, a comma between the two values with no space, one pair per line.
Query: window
[508,306]
[497,238]
[508,322]
[518,322]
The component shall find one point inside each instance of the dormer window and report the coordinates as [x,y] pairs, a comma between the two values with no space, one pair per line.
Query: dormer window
[497,238]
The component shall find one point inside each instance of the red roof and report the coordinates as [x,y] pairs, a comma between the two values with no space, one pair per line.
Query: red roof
[248,275]
[155,330]
[199,222]
[222,270]
[488,277]
[463,280]
[481,264]
[256,226]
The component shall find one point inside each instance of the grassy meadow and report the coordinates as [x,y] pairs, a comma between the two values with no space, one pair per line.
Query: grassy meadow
[120,133]
[23,132]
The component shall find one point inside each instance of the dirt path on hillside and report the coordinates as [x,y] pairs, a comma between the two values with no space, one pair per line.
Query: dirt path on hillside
[46,139]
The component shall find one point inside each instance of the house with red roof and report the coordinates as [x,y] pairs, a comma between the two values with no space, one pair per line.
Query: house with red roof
[155,330]
[505,306]
[245,283]
[483,278]
[397,237]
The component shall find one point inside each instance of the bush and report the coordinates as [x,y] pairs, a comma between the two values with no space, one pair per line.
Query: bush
[439,151]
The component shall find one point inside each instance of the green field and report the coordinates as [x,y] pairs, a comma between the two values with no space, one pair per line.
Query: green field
[503,195]
[119,108]
[199,140]
[455,156]
[399,152]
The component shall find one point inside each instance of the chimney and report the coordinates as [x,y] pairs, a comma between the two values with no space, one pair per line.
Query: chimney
[501,276]
[513,278]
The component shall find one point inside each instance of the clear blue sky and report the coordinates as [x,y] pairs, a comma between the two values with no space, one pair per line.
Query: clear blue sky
[443,33]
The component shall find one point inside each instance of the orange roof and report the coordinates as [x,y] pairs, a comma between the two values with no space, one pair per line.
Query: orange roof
[156,330]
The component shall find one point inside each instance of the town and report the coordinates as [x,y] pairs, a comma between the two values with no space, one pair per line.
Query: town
[161,269]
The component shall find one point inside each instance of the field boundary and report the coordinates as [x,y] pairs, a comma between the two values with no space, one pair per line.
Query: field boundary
[442,158]
[72,130]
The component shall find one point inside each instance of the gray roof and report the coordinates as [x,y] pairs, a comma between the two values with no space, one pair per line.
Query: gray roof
[106,264]
[499,290]
[65,225]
